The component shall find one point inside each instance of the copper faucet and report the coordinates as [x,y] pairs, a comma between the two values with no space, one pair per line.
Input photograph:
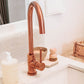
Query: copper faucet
[32,63]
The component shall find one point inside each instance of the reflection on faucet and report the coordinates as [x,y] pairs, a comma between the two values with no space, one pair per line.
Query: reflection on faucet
[32,63]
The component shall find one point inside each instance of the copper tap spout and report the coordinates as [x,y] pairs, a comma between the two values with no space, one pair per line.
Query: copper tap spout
[32,63]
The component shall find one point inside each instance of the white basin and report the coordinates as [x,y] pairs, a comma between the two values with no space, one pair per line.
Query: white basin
[65,72]
[65,76]
[61,73]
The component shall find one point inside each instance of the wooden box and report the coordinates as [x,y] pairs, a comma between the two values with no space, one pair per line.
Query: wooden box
[78,49]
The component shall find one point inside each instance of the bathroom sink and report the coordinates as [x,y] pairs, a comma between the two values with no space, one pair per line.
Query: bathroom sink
[62,73]
[58,74]
[65,76]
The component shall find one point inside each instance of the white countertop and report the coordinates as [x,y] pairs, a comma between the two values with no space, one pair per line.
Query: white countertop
[63,63]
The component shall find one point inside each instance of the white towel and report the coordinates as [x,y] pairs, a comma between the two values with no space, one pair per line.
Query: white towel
[54,7]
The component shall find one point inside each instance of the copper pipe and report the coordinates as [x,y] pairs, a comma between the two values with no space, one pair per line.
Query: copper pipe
[40,55]
[30,23]
[31,59]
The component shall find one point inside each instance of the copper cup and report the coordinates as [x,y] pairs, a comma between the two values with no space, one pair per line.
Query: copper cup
[37,53]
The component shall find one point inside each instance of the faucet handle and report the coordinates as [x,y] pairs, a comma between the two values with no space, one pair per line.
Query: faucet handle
[40,66]
[40,55]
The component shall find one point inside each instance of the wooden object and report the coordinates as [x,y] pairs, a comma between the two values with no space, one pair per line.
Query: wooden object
[53,55]
[78,49]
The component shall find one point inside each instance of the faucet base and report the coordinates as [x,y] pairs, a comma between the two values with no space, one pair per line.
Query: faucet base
[31,65]
[32,74]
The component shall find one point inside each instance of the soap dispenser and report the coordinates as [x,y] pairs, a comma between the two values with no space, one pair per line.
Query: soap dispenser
[53,55]
[9,70]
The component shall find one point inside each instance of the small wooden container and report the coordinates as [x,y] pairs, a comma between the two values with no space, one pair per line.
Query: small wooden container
[78,49]
[53,55]
[37,53]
